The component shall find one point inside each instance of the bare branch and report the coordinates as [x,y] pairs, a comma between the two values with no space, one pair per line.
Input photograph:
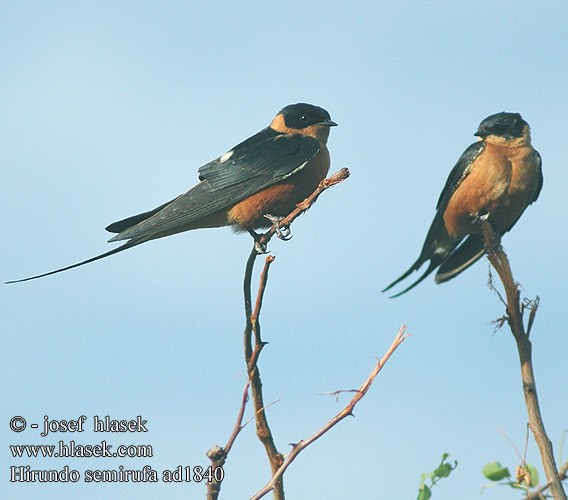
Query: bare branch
[251,357]
[238,425]
[533,307]
[218,455]
[262,409]
[261,288]
[500,262]
[302,207]
[537,494]
[253,326]
[336,394]
[347,411]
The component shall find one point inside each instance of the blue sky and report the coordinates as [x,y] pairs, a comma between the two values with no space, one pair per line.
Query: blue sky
[109,109]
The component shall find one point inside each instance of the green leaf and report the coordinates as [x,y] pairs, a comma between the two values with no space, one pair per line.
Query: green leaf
[495,471]
[424,493]
[534,475]
[443,470]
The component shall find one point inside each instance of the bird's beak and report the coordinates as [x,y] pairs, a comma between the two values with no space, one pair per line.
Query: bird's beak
[328,123]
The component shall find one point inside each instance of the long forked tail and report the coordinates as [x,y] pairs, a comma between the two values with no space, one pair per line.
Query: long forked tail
[469,252]
[433,265]
[128,244]
[410,270]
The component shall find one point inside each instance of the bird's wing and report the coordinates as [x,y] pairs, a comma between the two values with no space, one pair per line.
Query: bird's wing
[459,173]
[469,252]
[264,159]
[121,225]
[438,243]
[538,160]
[473,248]
[437,236]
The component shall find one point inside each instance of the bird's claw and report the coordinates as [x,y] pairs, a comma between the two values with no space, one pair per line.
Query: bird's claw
[495,240]
[259,247]
[479,218]
[283,232]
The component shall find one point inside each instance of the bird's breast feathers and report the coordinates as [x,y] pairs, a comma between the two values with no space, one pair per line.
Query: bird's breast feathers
[501,183]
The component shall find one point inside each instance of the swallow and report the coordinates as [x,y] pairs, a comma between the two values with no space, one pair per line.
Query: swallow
[255,183]
[496,178]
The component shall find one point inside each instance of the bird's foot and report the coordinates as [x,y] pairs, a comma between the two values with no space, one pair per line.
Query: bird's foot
[258,245]
[479,218]
[283,232]
[492,238]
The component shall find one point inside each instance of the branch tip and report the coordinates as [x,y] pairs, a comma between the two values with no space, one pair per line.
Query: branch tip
[514,316]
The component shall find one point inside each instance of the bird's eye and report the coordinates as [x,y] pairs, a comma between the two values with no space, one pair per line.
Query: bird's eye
[304,118]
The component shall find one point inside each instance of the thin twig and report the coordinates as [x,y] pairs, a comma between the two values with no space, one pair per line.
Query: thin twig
[253,326]
[500,262]
[302,207]
[513,445]
[251,357]
[347,411]
[248,302]
[238,425]
[218,455]
[262,409]
[261,288]
[539,493]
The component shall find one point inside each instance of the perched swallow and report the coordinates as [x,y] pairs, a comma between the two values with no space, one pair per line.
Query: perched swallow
[495,178]
[267,174]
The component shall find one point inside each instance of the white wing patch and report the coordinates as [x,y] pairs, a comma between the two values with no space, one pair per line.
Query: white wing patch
[297,169]
[226,156]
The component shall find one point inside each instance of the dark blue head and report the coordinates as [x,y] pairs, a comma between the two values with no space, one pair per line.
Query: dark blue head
[302,115]
[507,125]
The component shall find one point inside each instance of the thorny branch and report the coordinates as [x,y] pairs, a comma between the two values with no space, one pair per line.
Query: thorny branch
[514,316]
[251,357]
[347,411]
[218,455]
[253,327]
[302,207]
